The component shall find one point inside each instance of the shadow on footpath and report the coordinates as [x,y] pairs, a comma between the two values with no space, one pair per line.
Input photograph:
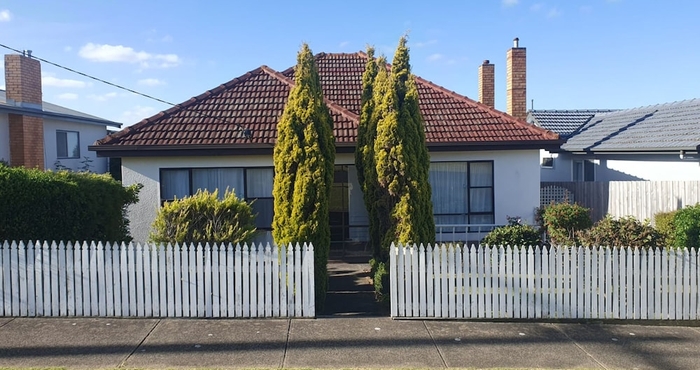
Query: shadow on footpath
[350,289]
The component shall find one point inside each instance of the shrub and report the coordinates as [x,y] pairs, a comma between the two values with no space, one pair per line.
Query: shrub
[513,234]
[665,227]
[204,218]
[686,225]
[380,278]
[63,206]
[622,232]
[563,220]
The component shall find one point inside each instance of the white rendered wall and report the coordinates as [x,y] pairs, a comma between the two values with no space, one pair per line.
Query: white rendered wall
[516,175]
[146,171]
[516,181]
[4,138]
[88,134]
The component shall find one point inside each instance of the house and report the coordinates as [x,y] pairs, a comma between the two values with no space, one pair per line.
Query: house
[658,142]
[484,163]
[37,134]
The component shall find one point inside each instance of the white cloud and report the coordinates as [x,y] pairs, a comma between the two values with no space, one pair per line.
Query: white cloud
[586,9]
[5,15]
[435,57]
[67,48]
[103,97]
[344,44]
[124,54]
[62,82]
[136,114]
[68,96]
[509,3]
[553,13]
[151,82]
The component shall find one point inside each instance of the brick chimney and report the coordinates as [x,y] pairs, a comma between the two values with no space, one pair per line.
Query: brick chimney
[486,84]
[23,89]
[516,96]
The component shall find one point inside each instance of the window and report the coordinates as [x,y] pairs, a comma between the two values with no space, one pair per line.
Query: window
[547,162]
[248,183]
[462,192]
[584,170]
[67,144]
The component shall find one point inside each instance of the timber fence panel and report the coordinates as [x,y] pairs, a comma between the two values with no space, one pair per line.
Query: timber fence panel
[556,282]
[154,280]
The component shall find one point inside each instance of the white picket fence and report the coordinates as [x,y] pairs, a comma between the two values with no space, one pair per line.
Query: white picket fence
[150,280]
[556,283]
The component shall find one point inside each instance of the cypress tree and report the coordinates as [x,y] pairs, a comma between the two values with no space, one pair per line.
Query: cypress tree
[364,152]
[401,157]
[304,156]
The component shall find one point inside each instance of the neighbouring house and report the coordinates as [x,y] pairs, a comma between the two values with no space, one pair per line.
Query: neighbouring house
[37,134]
[484,163]
[658,142]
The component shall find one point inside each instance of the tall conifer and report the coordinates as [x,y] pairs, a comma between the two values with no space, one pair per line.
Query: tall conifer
[304,158]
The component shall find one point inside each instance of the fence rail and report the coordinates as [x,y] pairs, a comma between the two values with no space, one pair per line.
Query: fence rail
[556,283]
[151,280]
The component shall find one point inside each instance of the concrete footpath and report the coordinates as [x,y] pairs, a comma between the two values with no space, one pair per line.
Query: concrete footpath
[341,342]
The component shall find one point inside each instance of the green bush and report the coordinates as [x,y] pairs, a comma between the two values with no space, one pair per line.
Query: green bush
[665,227]
[380,278]
[513,234]
[686,225]
[622,232]
[204,218]
[562,221]
[63,206]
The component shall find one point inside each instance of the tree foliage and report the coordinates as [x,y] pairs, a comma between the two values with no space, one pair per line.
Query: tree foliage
[563,221]
[304,157]
[686,227]
[392,158]
[401,156]
[203,218]
[38,205]
[621,232]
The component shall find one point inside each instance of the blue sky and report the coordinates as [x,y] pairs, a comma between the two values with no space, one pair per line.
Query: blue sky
[581,53]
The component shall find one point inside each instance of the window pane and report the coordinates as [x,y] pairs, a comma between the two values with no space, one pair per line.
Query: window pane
[449,183]
[61,148]
[218,178]
[174,183]
[258,183]
[481,174]
[481,200]
[450,220]
[481,220]
[264,209]
[67,144]
[73,144]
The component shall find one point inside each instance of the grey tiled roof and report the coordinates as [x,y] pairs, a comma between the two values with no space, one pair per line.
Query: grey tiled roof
[58,111]
[563,122]
[663,127]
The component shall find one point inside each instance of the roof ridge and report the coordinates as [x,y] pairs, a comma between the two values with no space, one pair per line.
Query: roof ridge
[177,107]
[497,112]
[331,104]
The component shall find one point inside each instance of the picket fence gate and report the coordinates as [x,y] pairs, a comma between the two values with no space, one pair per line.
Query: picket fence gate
[156,280]
[544,283]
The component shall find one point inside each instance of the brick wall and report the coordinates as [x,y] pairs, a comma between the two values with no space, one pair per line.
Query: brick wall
[487,84]
[23,86]
[516,91]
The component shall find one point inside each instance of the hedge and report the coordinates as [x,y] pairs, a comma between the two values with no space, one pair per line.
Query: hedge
[63,206]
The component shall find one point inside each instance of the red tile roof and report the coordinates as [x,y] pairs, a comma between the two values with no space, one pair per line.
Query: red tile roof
[243,113]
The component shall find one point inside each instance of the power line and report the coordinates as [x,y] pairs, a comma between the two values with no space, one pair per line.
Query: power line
[243,130]
[90,77]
